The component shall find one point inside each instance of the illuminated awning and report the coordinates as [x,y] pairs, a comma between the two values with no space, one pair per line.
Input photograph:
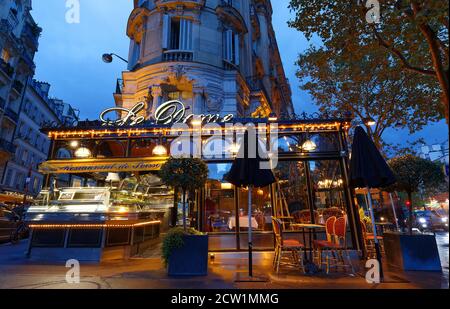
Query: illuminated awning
[80,166]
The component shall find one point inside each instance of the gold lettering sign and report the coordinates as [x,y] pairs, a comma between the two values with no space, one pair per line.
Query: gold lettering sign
[101,165]
[170,112]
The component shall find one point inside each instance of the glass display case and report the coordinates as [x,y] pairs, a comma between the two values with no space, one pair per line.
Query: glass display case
[90,222]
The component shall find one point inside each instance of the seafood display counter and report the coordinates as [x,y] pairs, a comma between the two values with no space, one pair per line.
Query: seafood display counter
[95,224]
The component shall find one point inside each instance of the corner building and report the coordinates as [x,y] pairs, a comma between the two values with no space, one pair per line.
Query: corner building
[216,56]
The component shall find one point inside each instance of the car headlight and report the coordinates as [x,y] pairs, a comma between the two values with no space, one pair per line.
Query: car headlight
[424,226]
[422,220]
[444,219]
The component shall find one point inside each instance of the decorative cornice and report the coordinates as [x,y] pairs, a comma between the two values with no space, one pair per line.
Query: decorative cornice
[229,15]
[136,24]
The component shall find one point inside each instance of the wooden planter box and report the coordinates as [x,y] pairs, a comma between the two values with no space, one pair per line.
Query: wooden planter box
[412,252]
[191,259]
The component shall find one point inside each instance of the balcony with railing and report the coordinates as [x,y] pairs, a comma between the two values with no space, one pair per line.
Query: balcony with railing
[174,4]
[9,113]
[5,26]
[178,56]
[6,146]
[27,61]
[229,66]
[31,33]
[2,103]
[6,68]
[256,85]
[18,86]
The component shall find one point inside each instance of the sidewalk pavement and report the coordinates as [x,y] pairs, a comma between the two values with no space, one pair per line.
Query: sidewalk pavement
[18,272]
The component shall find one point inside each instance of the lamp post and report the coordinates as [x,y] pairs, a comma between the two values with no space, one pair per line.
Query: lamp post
[108,58]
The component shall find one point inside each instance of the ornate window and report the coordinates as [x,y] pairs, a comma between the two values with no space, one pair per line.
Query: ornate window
[177,33]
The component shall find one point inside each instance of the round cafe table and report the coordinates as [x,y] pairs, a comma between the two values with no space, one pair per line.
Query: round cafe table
[310,266]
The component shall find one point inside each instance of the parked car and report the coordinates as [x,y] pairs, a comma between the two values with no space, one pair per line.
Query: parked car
[6,224]
[12,225]
[431,220]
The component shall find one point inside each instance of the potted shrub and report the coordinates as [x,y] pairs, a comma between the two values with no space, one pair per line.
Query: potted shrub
[413,251]
[185,250]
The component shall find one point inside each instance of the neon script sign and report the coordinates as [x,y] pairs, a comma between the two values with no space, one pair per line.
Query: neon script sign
[170,112]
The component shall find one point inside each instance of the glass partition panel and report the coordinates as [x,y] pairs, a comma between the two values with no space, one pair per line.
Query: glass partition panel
[291,198]
[328,189]
[220,207]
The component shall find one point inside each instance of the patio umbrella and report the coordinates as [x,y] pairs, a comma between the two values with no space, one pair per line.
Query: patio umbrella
[368,169]
[246,171]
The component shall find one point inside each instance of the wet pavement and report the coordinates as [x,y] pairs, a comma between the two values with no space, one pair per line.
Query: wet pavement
[147,272]
[442,242]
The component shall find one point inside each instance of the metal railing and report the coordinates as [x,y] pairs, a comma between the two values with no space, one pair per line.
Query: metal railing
[2,103]
[17,86]
[7,146]
[178,55]
[7,68]
[11,115]
[30,35]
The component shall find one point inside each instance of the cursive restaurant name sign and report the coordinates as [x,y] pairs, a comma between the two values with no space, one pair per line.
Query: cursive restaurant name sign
[99,166]
[170,112]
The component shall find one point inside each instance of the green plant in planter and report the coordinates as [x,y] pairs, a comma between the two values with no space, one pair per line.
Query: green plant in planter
[174,240]
[187,174]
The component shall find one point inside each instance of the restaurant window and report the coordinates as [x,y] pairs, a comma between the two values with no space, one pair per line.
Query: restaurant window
[220,209]
[261,218]
[327,189]
[291,191]
[311,143]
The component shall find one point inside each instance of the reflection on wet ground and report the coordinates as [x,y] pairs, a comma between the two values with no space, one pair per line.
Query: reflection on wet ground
[442,242]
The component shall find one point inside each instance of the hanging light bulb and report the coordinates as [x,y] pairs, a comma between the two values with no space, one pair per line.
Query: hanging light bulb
[83,153]
[74,144]
[309,145]
[160,151]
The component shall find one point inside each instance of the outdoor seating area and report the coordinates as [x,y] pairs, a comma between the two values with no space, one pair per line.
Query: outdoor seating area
[307,251]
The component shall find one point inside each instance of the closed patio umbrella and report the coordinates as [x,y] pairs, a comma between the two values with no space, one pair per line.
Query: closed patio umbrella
[246,171]
[368,169]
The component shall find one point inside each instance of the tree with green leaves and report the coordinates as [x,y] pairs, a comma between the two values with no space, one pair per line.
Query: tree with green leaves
[413,33]
[413,174]
[187,174]
[369,86]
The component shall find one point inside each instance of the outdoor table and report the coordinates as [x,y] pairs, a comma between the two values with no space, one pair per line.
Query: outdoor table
[310,266]
[243,222]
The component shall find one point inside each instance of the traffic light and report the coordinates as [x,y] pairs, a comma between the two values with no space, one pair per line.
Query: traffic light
[408,203]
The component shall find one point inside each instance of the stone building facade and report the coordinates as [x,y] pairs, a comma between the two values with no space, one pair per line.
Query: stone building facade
[18,43]
[25,105]
[216,56]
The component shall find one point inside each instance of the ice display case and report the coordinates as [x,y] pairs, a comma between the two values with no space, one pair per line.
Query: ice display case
[96,224]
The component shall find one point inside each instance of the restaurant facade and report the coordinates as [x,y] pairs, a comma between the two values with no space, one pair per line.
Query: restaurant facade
[120,164]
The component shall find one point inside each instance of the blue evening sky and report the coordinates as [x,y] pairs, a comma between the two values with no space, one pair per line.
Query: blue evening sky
[69,57]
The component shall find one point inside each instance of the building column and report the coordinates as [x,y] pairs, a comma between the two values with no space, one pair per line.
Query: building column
[198,101]
[157,96]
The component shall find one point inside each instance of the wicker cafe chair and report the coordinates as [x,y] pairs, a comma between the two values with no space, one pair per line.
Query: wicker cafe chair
[335,248]
[292,246]
[369,242]
[322,246]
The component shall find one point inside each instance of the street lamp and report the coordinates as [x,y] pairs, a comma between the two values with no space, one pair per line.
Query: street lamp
[108,58]
[370,121]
